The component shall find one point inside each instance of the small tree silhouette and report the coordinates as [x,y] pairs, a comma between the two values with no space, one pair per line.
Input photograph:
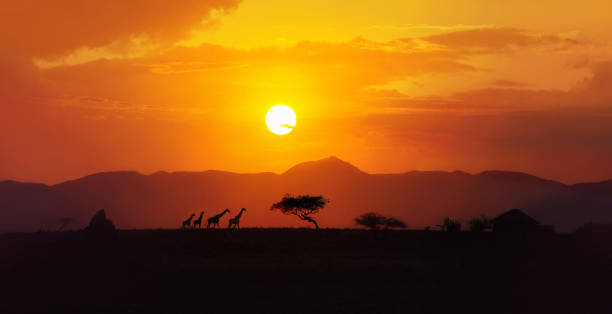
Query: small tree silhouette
[302,206]
[450,225]
[370,220]
[394,223]
[479,224]
[373,221]
[65,221]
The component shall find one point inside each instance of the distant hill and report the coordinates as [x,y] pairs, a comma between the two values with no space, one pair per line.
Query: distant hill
[421,198]
[603,188]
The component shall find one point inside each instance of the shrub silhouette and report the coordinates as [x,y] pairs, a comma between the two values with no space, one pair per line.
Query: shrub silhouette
[479,224]
[394,223]
[370,220]
[302,206]
[373,221]
[450,225]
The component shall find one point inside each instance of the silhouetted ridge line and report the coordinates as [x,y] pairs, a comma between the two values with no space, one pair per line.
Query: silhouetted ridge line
[13,183]
[420,198]
[516,177]
[603,188]
[434,173]
[331,165]
[105,176]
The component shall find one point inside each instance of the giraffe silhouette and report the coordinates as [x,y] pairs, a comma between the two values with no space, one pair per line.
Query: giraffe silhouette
[214,220]
[198,222]
[187,222]
[236,220]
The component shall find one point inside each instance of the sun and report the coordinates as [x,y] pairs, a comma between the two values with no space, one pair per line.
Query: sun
[280,119]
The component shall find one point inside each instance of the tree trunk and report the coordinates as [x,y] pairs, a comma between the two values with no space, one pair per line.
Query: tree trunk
[312,221]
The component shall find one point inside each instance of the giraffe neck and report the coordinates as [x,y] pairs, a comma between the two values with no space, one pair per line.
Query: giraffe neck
[239,214]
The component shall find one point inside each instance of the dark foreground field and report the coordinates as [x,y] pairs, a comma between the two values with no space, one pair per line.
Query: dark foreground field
[301,271]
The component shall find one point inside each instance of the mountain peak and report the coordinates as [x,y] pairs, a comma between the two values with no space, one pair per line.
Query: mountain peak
[329,165]
[332,159]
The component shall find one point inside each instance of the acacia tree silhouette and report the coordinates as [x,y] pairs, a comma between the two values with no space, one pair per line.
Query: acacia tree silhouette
[373,221]
[302,206]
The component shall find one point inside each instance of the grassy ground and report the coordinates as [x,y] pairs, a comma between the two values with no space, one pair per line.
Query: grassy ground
[300,271]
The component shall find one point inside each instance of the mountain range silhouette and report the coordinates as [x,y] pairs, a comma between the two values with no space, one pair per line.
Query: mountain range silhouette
[420,198]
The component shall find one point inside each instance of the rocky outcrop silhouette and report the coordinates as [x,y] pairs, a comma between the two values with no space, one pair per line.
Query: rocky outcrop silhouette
[101,225]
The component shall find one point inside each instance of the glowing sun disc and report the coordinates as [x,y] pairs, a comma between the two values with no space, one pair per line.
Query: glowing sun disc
[280,119]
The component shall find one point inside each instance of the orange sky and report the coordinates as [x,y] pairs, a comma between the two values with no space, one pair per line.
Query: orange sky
[390,86]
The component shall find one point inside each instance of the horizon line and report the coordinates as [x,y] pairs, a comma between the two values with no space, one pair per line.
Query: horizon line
[331,157]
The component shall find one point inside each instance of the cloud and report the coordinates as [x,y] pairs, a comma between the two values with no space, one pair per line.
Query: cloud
[343,73]
[177,75]
[447,28]
[177,67]
[55,33]
[506,95]
[54,28]
[498,39]
[507,84]
[596,89]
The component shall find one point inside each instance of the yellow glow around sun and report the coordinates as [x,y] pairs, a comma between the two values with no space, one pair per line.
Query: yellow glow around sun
[280,119]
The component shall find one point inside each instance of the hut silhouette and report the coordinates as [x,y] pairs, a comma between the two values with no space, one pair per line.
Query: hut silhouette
[515,221]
